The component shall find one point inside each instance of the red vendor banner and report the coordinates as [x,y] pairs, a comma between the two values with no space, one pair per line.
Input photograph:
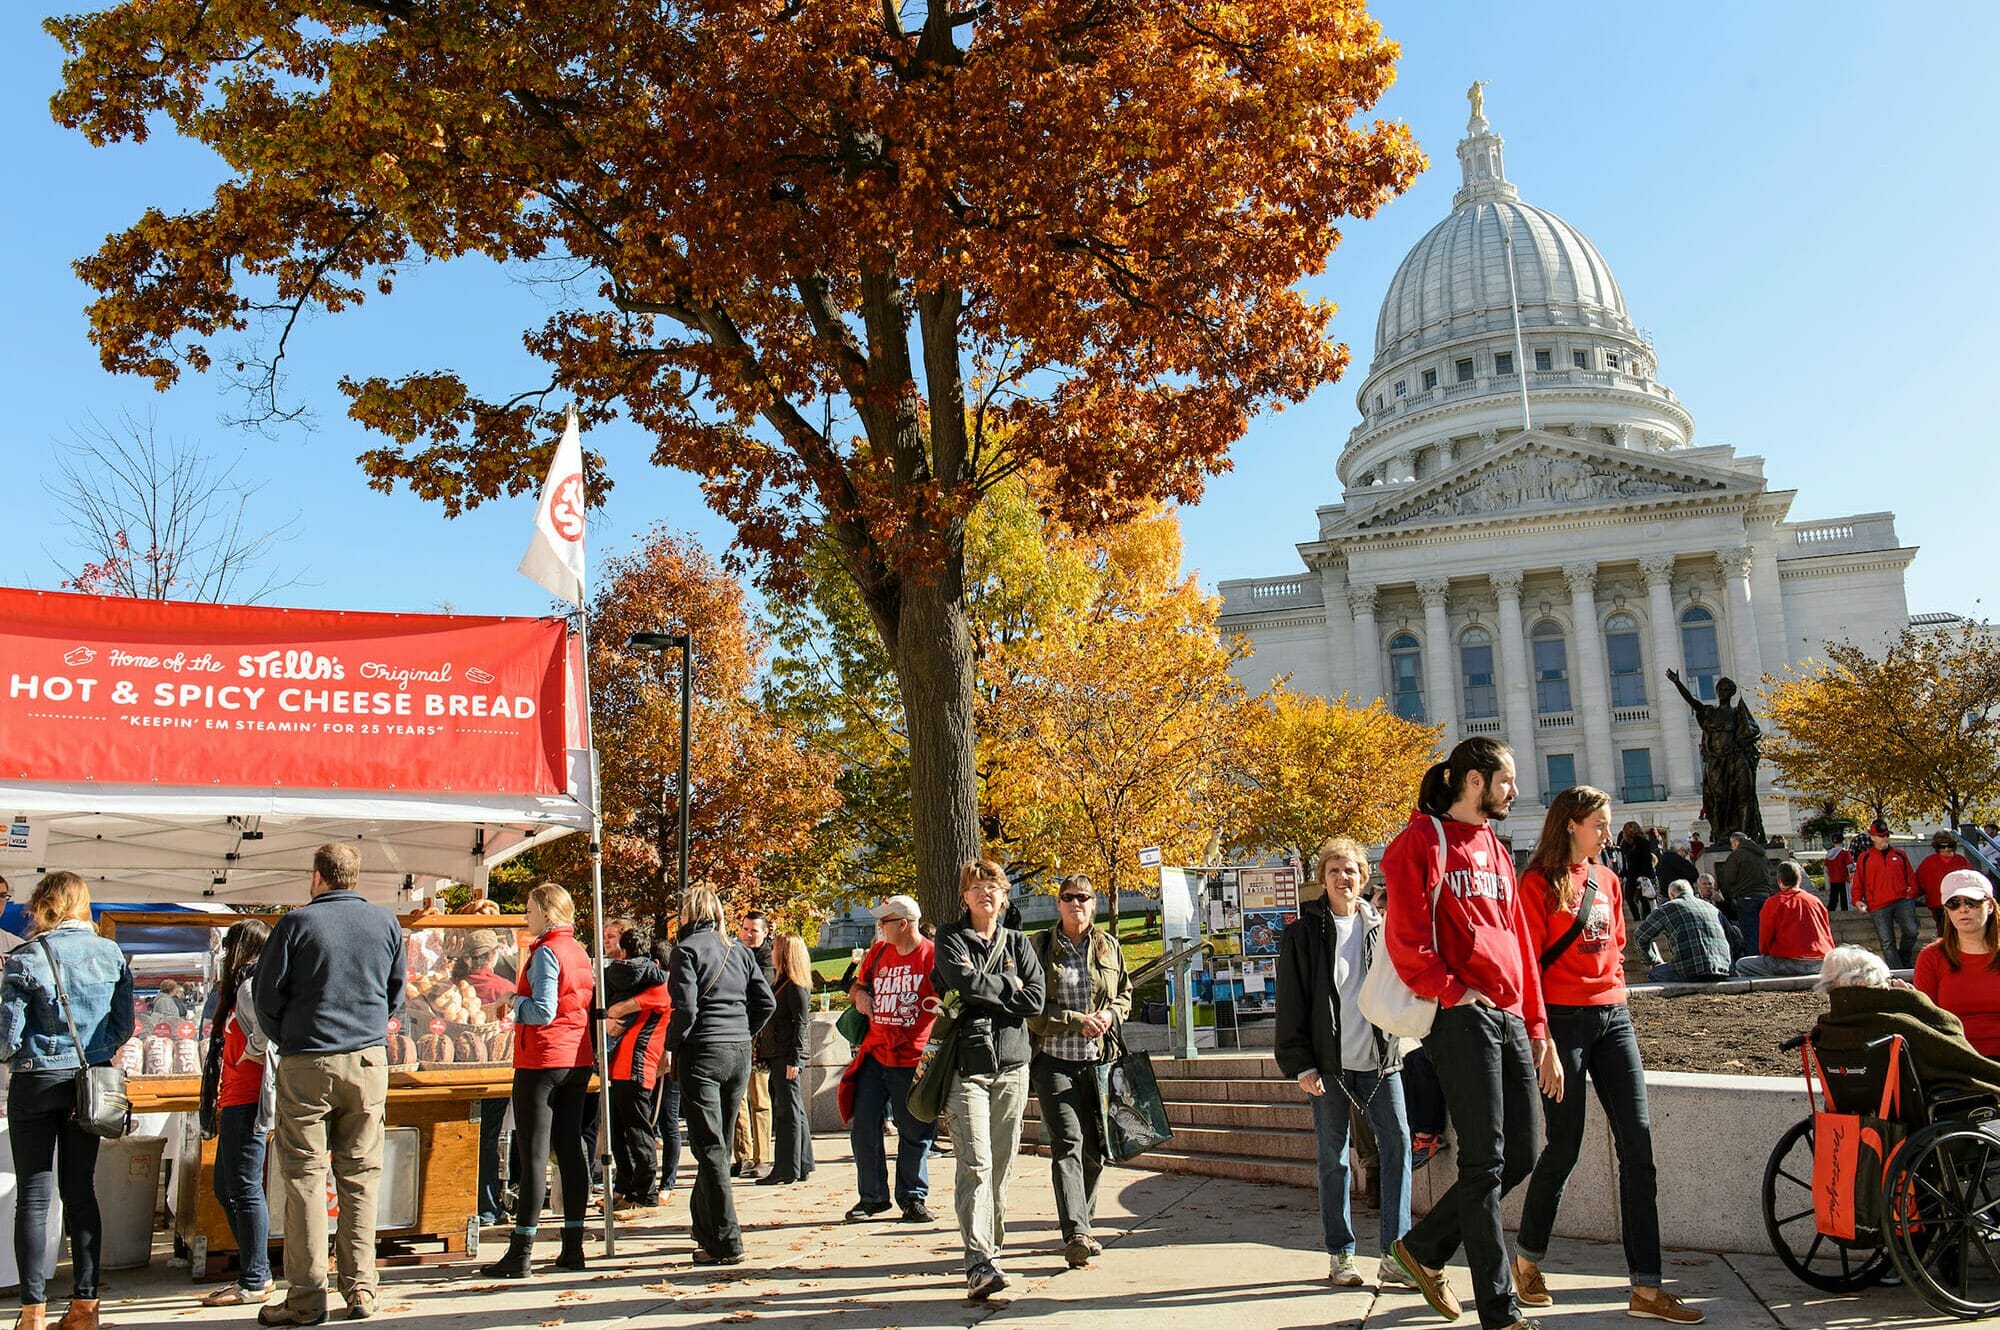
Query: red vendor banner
[140,692]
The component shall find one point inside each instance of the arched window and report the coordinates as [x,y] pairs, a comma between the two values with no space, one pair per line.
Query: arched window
[1699,652]
[1406,677]
[1628,666]
[1475,662]
[1551,668]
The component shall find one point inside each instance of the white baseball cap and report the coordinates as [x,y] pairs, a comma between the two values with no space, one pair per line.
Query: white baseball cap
[1965,884]
[897,907]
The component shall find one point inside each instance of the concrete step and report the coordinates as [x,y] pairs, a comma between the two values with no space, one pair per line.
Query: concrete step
[1237,1091]
[1220,1067]
[1251,1116]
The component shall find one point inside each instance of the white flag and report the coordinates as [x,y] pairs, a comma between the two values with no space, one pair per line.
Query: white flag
[555,555]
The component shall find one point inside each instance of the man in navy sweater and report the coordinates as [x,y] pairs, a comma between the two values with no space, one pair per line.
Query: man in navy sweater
[330,978]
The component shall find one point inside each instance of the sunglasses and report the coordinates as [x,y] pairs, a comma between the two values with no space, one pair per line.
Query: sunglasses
[1965,902]
[1067,899]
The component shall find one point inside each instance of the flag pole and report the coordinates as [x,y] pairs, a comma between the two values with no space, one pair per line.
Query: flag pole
[1514,304]
[600,1025]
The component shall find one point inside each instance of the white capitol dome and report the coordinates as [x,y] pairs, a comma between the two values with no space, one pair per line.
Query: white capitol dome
[1446,374]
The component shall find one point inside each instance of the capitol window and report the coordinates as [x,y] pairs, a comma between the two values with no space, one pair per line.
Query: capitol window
[1503,362]
[1465,371]
[1402,387]
[1580,359]
[1699,651]
[1628,670]
[1611,360]
[1475,662]
[1551,668]
[1406,677]
[1430,379]
[1544,358]
[1562,774]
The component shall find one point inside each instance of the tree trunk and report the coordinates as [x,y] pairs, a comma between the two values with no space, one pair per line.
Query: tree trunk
[931,646]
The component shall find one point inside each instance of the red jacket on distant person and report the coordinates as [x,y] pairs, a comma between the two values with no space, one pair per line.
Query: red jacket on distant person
[1930,874]
[1794,926]
[1483,937]
[1839,865]
[1883,877]
[642,1047]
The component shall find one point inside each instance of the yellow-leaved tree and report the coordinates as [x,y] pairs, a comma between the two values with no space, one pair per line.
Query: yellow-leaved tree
[1908,732]
[1116,727]
[1312,768]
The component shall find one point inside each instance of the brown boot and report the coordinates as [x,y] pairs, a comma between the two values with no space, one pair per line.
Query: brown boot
[80,1315]
[34,1316]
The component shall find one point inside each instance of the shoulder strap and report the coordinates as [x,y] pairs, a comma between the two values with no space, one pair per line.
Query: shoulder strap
[1438,890]
[62,1000]
[1562,944]
[721,965]
[1892,1084]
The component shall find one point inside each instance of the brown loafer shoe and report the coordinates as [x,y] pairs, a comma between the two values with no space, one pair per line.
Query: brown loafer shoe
[1530,1289]
[1659,1305]
[1428,1282]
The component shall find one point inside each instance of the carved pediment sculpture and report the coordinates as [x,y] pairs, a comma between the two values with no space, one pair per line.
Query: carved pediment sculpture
[1535,479]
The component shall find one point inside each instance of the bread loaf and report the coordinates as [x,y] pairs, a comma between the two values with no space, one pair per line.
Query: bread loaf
[402,1051]
[471,1048]
[435,1049]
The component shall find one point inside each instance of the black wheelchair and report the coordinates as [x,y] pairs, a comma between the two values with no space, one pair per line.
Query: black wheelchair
[1933,1214]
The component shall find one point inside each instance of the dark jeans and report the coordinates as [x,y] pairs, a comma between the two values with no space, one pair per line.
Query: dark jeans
[1836,896]
[714,1080]
[1598,1041]
[1749,911]
[52,1154]
[239,1189]
[1896,929]
[668,1120]
[791,1134]
[548,1114]
[879,1092]
[635,1141]
[1483,1063]
[492,1121]
[1067,1093]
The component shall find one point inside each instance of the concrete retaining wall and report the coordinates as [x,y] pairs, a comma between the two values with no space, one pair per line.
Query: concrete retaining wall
[1711,1138]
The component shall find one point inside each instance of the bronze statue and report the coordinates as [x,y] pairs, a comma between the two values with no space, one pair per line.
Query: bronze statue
[1729,735]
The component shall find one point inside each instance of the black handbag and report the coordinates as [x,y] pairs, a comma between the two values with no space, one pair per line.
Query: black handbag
[102,1107]
[1128,1097]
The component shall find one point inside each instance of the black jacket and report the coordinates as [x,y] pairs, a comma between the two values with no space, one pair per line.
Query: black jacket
[1308,1025]
[996,1004]
[783,1042]
[1676,867]
[628,978]
[1746,872]
[719,994]
[331,976]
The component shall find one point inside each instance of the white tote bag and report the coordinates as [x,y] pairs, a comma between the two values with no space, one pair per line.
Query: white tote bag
[1384,998]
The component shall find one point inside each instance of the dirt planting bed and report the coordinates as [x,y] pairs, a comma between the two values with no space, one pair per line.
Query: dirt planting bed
[1730,1033]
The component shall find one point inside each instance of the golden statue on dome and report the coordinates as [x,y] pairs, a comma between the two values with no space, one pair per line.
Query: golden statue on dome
[1476,94]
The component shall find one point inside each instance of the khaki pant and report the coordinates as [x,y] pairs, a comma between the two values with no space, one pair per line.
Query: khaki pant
[753,1121]
[332,1105]
[985,1113]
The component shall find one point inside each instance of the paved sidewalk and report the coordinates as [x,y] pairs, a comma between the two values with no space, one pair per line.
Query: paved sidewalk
[1180,1251]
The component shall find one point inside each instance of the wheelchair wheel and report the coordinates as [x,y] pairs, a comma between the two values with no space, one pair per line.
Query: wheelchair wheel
[1823,1262]
[1945,1186]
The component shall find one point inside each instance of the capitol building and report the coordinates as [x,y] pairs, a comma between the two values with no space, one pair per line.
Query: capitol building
[1529,535]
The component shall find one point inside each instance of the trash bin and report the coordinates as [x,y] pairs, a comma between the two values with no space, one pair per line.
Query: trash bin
[128,1191]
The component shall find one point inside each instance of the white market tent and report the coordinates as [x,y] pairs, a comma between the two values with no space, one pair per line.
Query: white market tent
[440,745]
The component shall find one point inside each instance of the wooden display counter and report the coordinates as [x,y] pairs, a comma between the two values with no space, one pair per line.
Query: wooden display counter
[442,1108]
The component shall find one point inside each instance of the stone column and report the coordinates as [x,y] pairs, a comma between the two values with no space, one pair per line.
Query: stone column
[1517,688]
[1658,570]
[1592,698]
[1747,667]
[1339,631]
[1439,676]
[1367,643]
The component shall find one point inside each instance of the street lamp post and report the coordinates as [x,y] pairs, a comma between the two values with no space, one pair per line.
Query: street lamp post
[661,642]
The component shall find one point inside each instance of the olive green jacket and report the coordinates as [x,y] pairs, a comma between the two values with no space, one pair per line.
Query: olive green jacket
[1110,985]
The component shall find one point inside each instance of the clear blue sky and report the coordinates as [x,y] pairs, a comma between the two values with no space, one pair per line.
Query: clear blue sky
[1799,204]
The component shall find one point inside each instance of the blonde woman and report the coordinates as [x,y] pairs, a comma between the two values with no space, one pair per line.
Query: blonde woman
[721,1000]
[553,1054]
[52,1153]
[782,1046]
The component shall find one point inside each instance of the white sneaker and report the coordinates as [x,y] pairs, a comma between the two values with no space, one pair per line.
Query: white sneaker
[1388,1274]
[1342,1273]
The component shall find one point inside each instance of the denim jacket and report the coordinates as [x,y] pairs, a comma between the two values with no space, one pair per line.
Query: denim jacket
[33,1034]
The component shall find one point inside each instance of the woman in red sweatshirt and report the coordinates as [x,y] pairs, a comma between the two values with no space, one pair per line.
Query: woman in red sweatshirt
[1456,933]
[1577,925]
[1961,970]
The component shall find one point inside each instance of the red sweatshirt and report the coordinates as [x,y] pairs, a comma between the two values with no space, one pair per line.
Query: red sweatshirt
[1482,936]
[1930,874]
[1591,971]
[1971,992]
[1794,926]
[1883,877]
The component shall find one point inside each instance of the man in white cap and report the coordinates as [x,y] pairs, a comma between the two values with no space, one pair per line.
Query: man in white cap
[892,988]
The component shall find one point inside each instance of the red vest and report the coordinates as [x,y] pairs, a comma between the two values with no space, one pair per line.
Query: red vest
[564,1041]
[644,1042]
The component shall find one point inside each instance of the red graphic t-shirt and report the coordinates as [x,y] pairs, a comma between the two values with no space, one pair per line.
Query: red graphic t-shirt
[905,1004]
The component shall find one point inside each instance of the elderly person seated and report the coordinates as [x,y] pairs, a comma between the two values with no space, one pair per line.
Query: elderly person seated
[1705,889]
[1695,931]
[1864,1004]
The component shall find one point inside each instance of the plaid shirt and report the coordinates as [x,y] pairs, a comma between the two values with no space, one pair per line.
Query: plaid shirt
[1694,928]
[1069,977]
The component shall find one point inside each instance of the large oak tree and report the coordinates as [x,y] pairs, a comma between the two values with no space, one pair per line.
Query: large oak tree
[1077,224]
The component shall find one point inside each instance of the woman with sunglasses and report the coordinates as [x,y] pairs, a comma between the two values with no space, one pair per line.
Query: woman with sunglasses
[1087,992]
[1961,970]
